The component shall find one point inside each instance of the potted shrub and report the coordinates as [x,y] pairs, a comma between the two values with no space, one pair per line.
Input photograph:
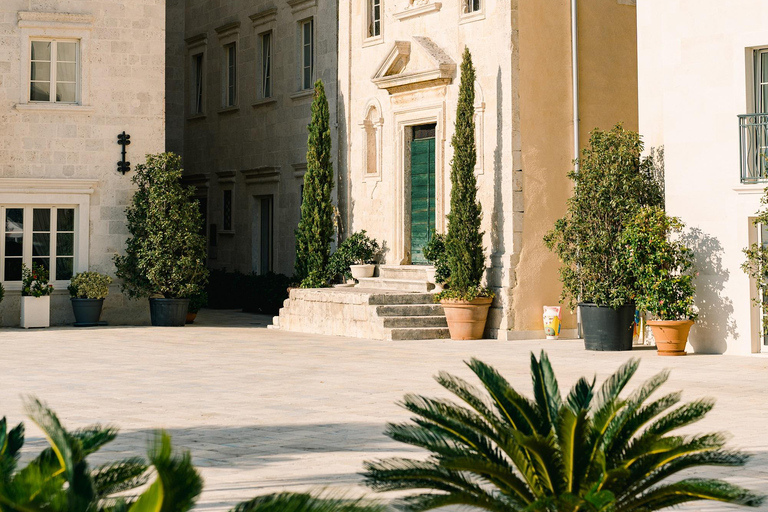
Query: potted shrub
[355,257]
[87,291]
[611,186]
[466,302]
[165,255]
[434,253]
[196,303]
[35,296]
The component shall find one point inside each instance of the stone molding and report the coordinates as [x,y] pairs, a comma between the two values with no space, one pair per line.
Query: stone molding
[29,19]
[226,176]
[393,75]
[197,39]
[47,186]
[299,169]
[227,29]
[264,17]
[300,5]
[266,174]
[417,8]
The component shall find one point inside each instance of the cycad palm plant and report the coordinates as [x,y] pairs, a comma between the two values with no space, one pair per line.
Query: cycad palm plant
[592,451]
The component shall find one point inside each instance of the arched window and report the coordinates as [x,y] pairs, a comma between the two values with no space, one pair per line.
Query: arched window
[372,139]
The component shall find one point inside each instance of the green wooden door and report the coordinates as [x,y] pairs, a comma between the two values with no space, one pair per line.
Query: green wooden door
[422,196]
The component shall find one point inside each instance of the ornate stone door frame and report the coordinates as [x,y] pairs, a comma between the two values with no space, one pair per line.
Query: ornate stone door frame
[404,120]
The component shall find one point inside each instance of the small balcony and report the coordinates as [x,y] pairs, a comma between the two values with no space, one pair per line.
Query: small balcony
[753,147]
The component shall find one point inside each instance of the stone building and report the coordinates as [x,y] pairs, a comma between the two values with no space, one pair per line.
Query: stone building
[703,68]
[73,75]
[240,77]
[398,80]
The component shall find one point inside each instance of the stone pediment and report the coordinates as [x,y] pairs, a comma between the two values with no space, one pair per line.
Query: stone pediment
[416,65]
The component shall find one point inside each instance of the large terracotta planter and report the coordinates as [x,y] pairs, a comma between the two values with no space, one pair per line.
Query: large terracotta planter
[359,271]
[466,319]
[671,336]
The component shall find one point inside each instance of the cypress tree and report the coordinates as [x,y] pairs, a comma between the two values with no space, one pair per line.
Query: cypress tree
[315,231]
[464,240]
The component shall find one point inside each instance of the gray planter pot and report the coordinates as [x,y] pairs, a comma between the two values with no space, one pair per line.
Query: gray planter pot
[87,311]
[168,312]
[607,329]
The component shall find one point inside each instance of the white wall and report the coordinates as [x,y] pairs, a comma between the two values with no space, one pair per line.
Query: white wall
[693,76]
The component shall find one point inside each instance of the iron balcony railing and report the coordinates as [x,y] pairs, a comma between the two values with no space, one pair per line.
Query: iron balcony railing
[753,147]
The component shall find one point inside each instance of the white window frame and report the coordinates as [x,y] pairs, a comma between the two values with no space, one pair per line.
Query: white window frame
[53,80]
[303,43]
[266,63]
[39,25]
[757,81]
[370,20]
[468,13]
[47,193]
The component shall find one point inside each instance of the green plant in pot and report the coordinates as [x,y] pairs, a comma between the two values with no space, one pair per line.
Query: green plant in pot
[434,253]
[611,186]
[196,303]
[87,291]
[35,296]
[466,302]
[756,265]
[663,268]
[164,258]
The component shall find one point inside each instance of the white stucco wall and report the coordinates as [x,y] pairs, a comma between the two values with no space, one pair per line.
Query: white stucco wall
[122,56]
[695,62]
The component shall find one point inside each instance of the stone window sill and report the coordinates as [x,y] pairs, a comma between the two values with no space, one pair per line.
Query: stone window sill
[372,41]
[264,101]
[229,110]
[472,17]
[54,107]
[195,117]
[307,93]
[227,232]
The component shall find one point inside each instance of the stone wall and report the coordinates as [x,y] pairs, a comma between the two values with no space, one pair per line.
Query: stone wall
[122,57]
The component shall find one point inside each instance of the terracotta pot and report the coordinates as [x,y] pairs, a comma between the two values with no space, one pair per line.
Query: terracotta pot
[466,319]
[359,271]
[671,336]
[191,317]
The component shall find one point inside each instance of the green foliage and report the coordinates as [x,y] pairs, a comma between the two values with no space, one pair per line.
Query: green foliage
[434,253]
[591,450]
[34,281]
[294,502]
[756,264]
[357,249]
[661,266]
[315,231]
[89,285]
[464,240]
[2,292]
[612,184]
[198,301]
[165,254]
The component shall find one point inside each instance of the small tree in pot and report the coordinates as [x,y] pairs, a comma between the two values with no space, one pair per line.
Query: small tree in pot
[466,302]
[663,270]
[35,296]
[87,291]
[355,257]
[613,183]
[165,254]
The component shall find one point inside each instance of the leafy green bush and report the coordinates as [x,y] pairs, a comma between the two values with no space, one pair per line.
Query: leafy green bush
[165,254]
[591,451]
[2,292]
[197,302]
[662,267]
[357,249]
[89,285]
[464,240]
[612,185]
[756,265]
[315,231]
[434,253]
[34,281]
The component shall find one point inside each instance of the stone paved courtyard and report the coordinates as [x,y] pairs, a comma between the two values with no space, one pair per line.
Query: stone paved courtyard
[263,410]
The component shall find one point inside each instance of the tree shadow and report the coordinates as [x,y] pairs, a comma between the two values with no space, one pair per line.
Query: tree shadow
[715,323]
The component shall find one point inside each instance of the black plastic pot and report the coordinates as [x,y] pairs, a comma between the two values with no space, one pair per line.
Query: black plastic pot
[168,312]
[87,311]
[607,329]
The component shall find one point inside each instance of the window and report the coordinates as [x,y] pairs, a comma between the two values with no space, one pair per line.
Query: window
[307,53]
[230,75]
[471,6]
[262,235]
[372,138]
[54,73]
[753,128]
[374,18]
[197,83]
[266,65]
[43,236]
[227,211]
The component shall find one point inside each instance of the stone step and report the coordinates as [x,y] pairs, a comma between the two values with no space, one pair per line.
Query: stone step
[407,272]
[392,299]
[403,285]
[414,321]
[410,310]
[422,333]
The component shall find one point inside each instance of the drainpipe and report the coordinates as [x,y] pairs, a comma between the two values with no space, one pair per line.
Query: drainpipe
[575,95]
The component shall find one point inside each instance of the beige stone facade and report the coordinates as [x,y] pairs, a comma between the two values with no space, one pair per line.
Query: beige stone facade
[244,73]
[73,75]
[403,74]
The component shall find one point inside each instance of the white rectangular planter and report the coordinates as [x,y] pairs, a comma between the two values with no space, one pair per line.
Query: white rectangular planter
[35,311]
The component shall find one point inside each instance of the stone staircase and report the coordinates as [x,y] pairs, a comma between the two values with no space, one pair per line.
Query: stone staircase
[396,305]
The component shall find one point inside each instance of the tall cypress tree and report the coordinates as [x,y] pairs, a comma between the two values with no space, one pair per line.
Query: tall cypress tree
[464,241]
[315,231]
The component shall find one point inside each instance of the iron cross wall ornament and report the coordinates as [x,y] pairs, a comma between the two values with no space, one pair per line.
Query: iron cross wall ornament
[123,139]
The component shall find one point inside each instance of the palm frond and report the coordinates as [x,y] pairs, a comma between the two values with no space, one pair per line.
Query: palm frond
[94,437]
[546,391]
[573,432]
[180,482]
[10,449]
[581,395]
[693,489]
[119,476]
[295,502]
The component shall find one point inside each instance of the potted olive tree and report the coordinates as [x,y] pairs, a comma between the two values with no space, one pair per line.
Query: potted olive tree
[87,291]
[466,302]
[35,296]
[164,256]
[611,186]
[663,268]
